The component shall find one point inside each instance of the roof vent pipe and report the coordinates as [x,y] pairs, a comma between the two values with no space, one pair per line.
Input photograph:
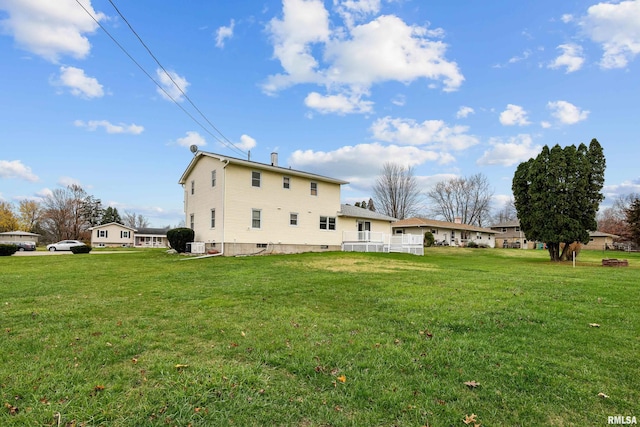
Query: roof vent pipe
[274,159]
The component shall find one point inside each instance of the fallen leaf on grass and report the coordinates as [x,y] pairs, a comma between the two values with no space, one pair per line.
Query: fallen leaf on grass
[468,419]
[342,378]
[594,325]
[179,366]
[471,384]
[602,395]
[13,410]
[99,388]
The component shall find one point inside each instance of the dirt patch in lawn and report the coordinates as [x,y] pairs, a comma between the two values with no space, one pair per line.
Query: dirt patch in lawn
[352,265]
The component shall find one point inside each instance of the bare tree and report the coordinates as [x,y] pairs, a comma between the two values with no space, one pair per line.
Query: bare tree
[464,199]
[396,191]
[613,219]
[67,213]
[133,220]
[507,213]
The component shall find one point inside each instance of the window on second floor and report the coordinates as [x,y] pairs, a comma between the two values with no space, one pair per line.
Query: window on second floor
[213,178]
[103,233]
[213,218]
[255,179]
[192,221]
[314,188]
[124,234]
[293,219]
[286,182]
[193,187]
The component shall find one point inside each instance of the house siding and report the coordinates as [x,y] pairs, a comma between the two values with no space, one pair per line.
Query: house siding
[113,236]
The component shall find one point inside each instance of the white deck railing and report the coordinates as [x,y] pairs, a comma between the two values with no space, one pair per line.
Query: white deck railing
[368,241]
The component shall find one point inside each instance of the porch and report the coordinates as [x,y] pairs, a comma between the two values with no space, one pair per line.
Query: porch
[368,241]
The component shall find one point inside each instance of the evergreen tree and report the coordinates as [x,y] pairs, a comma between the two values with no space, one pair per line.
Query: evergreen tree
[370,205]
[633,219]
[557,195]
[111,215]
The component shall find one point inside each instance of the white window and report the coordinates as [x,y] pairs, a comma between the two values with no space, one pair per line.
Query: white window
[327,223]
[255,179]
[193,187]
[314,188]
[286,182]
[103,233]
[293,219]
[213,218]
[192,221]
[256,218]
[213,178]
[124,234]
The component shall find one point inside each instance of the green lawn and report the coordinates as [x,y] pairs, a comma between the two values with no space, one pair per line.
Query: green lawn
[334,339]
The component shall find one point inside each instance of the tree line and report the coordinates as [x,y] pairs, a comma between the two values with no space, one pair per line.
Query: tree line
[556,198]
[65,213]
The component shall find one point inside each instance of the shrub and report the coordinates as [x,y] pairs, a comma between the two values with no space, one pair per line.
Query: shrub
[179,237]
[428,239]
[84,249]
[472,244]
[7,250]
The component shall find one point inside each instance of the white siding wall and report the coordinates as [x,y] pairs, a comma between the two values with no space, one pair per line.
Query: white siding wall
[113,236]
[204,198]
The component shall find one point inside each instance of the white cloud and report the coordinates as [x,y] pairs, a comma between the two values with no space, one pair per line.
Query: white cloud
[351,60]
[464,111]
[341,103]
[616,27]
[50,29]
[362,160]
[515,150]
[16,169]
[246,143]
[356,10]
[567,113]
[92,125]
[514,115]
[399,100]
[79,84]
[192,138]
[45,192]
[224,33]
[572,58]
[171,91]
[545,125]
[433,133]
[566,18]
[525,55]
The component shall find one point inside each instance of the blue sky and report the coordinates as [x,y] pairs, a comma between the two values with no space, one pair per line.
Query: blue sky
[336,87]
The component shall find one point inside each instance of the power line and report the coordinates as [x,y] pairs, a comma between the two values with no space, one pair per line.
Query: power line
[224,141]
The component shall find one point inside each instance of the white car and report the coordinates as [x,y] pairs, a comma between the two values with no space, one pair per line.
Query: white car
[64,245]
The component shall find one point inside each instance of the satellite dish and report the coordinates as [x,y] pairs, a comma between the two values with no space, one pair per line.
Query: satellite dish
[194,149]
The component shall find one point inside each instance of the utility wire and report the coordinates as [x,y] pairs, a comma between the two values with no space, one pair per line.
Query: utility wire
[224,141]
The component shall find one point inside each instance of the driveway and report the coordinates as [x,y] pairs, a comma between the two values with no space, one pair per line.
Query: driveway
[45,253]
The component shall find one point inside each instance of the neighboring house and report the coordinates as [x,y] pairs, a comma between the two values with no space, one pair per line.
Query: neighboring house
[599,240]
[511,236]
[242,207]
[118,235]
[446,233]
[111,234]
[147,237]
[18,236]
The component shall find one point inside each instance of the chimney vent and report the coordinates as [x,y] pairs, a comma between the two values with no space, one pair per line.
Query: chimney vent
[274,159]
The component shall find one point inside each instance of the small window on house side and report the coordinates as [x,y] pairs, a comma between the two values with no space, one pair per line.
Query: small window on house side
[255,179]
[213,218]
[286,182]
[192,221]
[314,188]
[213,178]
[293,219]
[256,218]
[193,187]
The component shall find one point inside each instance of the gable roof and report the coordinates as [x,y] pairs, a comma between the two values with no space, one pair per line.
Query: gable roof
[424,222]
[357,212]
[255,165]
[111,223]
[507,224]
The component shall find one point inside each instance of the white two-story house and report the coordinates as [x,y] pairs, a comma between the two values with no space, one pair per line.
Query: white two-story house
[241,207]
